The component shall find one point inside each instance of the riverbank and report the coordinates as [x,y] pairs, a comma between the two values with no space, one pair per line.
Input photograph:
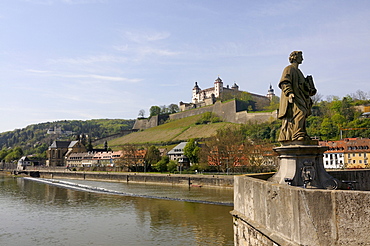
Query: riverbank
[195,180]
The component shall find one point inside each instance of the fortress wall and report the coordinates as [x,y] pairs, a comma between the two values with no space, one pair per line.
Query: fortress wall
[151,122]
[191,112]
[225,110]
[146,123]
[233,111]
[271,214]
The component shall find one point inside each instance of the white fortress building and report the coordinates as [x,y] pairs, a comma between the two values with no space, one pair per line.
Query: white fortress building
[206,97]
[200,95]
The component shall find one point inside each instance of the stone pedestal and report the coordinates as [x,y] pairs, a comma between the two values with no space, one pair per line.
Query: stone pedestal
[301,164]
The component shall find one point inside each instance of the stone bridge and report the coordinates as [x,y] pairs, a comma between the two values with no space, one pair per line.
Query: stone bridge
[278,214]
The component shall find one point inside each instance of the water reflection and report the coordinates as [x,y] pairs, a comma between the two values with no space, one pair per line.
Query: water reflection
[33,213]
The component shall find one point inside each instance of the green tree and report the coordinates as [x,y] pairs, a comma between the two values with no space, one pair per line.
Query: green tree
[328,130]
[172,166]
[173,108]
[154,110]
[191,150]
[313,126]
[153,155]
[274,104]
[161,166]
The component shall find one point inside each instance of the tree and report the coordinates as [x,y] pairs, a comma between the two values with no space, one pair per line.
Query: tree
[141,113]
[161,166]
[328,130]
[89,146]
[153,155]
[173,108]
[274,103]
[191,150]
[225,149]
[172,166]
[154,110]
[130,158]
[164,109]
[316,98]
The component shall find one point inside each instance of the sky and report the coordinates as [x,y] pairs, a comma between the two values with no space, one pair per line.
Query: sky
[108,59]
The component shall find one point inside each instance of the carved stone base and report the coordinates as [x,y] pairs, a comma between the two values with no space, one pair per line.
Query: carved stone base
[301,164]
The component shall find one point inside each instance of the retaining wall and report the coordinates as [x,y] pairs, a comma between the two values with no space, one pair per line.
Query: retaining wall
[171,179]
[271,214]
[233,111]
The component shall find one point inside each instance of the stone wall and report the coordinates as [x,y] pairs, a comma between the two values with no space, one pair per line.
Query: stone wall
[272,214]
[232,111]
[361,176]
[144,123]
[172,179]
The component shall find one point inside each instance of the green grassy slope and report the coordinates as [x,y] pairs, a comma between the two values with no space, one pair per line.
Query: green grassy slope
[178,130]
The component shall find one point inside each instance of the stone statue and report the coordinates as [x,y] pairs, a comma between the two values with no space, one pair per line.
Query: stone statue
[295,102]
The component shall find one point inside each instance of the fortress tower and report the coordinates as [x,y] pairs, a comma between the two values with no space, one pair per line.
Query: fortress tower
[270,93]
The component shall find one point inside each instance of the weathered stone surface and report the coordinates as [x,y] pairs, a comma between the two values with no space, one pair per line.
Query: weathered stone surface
[301,163]
[287,215]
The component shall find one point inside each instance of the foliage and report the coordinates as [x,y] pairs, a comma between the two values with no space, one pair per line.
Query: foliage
[9,155]
[231,148]
[34,139]
[191,150]
[334,116]
[161,166]
[265,130]
[274,104]
[154,110]
[172,166]
[153,155]
[208,117]
[161,110]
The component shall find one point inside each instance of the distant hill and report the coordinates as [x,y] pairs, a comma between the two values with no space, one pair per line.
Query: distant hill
[172,132]
[34,138]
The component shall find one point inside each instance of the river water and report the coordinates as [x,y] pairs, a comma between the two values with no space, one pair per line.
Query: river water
[34,213]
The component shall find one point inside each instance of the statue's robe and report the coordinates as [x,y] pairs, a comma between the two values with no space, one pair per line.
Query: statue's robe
[294,114]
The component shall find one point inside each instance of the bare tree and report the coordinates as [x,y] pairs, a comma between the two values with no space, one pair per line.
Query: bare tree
[316,98]
[141,113]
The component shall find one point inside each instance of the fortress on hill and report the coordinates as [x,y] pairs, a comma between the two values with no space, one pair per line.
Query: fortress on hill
[209,100]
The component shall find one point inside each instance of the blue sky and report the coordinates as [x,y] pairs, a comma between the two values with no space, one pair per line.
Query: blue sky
[92,59]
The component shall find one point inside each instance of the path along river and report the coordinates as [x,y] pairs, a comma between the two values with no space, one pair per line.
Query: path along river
[104,213]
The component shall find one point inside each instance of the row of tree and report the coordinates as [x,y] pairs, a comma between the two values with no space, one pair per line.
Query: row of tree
[160,110]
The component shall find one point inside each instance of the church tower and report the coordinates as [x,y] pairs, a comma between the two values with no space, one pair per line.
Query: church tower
[270,93]
[219,86]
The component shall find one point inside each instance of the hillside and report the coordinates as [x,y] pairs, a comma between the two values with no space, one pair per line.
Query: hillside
[34,138]
[174,131]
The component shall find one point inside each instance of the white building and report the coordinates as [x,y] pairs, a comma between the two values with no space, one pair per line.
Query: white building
[177,154]
[333,159]
[200,95]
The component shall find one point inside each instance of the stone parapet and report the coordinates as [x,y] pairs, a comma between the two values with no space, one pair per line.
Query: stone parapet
[277,214]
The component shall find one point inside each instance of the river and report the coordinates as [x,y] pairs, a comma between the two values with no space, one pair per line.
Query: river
[34,213]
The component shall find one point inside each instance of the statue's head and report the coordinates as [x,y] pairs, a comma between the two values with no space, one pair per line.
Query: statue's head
[294,55]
